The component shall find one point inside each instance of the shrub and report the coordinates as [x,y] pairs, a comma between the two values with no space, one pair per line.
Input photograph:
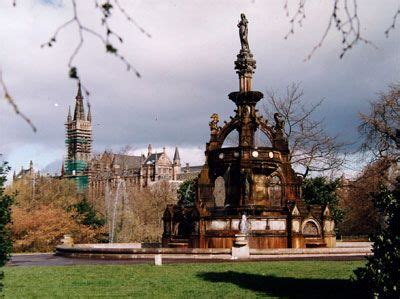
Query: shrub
[382,272]
[5,219]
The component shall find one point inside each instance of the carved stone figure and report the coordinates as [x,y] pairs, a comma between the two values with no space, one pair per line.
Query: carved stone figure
[214,122]
[243,32]
[279,122]
[246,177]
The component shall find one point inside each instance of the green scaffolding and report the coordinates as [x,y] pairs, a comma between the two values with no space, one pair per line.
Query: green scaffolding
[77,140]
[77,170]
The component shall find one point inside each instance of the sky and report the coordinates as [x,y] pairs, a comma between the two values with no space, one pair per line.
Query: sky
[186,67]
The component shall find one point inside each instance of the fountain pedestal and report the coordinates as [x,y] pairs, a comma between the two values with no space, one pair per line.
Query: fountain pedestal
[240,249]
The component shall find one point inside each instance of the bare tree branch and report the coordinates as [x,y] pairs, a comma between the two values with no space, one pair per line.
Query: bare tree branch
[344,17]
[130,19]
[393,25]
[13,104]
[105,8]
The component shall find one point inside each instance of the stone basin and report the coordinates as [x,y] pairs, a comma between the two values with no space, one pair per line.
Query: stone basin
[134,251]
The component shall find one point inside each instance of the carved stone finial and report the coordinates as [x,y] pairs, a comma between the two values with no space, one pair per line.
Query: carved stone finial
[214,123]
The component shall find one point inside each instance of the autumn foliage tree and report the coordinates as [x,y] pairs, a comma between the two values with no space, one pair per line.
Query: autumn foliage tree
[42,228]
[45,209]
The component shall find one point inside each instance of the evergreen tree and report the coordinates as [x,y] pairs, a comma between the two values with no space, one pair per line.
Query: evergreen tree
[187,193]
[321,191]
[381,276]
[90,217]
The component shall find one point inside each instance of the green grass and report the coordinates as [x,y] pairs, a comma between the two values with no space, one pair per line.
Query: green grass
[307,279]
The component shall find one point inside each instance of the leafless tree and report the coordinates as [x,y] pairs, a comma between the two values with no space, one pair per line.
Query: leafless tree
[343,18]
[312,149]
[381,126]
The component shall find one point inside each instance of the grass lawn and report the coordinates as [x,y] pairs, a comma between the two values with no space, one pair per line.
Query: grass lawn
[300,279]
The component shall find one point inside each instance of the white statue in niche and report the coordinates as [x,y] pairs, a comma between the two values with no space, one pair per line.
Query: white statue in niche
[244,226]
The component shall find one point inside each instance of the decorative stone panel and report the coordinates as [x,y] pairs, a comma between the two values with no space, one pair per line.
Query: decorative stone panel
[218,225]
[277,224]
[258,224]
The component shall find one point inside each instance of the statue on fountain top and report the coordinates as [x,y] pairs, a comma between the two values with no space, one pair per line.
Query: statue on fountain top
[243,32]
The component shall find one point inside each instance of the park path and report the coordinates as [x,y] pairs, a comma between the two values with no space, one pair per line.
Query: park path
[49,259]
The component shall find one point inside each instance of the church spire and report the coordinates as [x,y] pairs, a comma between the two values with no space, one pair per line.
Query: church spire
[89,114]
[79,113]
[69,118]
[79,94]
[177,158]
[62,173]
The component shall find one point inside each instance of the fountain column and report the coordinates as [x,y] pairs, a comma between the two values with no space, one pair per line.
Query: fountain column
[246,100]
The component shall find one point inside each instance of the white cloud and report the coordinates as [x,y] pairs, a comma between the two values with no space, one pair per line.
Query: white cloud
[187,69]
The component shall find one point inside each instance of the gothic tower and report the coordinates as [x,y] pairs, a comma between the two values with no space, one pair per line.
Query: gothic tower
[79,142]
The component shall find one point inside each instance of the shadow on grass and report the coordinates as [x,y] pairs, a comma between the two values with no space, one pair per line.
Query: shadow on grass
[287,286]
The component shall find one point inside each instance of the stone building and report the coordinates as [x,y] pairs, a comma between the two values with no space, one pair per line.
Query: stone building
[28,174]
[108,169]
[158,166]
[247,179]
